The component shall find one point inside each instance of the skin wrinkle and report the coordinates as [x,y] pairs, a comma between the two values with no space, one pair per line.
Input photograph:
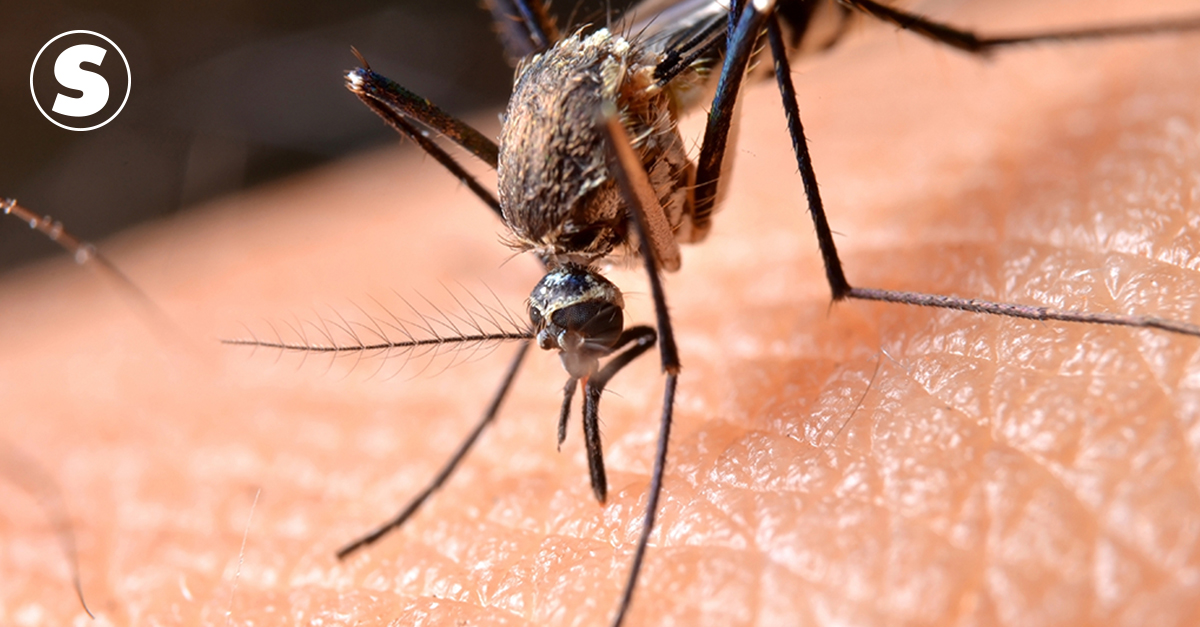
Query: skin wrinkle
[940,535]
[1018,449]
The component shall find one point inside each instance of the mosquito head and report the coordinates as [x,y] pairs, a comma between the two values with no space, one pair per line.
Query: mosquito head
[577,312]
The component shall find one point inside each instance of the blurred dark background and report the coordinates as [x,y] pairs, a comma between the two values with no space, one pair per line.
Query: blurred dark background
[226,94]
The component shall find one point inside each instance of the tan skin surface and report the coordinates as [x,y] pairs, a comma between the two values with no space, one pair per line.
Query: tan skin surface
[858,463]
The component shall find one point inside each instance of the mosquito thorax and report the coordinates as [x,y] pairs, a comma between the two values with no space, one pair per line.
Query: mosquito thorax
[578,312]
[555,189]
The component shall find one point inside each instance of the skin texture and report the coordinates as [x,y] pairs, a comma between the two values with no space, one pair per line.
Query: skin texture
[853,463]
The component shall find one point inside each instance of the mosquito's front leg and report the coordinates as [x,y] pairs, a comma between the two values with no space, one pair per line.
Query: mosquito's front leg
[449,467]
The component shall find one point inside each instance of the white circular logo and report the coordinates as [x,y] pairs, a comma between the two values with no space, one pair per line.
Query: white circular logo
[80,80]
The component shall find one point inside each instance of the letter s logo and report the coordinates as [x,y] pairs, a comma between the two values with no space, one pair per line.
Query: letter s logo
[69,73]
[80,80]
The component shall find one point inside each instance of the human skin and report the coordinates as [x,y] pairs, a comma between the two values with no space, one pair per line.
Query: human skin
[845,463]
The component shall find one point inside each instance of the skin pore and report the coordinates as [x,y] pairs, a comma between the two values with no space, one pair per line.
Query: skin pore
[860,463]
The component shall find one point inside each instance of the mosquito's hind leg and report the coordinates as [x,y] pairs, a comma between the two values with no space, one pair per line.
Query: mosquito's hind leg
[842,289]
[982,44]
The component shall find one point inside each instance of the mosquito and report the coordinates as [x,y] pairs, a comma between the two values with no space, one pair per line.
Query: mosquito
[597,174]
[591,168]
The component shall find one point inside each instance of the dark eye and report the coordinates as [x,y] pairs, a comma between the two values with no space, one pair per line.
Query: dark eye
[599,322]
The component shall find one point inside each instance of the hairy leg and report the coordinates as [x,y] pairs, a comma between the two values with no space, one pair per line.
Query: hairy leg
[860,463]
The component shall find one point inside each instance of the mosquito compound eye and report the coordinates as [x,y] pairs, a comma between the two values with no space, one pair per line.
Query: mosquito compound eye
[596,322]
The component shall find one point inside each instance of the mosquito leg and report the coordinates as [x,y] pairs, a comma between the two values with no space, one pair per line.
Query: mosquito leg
[834,273]
[720,116]
[406,128]
[367,83]
[800,15]
[843,27]
[637,192]
[30,476]
[1028,312]
[505,385]
[396,106]
[971,42]
[86,254]
[678,59]
[709,39]
[82,251]
[833,268]
[643,338]
[568,394]
[525,27]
